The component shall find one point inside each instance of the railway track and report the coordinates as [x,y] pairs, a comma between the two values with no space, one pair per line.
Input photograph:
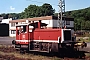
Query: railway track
[10,49]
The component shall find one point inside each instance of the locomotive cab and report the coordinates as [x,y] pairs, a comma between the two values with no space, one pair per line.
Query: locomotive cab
[21,39]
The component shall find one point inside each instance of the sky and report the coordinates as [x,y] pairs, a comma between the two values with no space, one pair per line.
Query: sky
[17,6]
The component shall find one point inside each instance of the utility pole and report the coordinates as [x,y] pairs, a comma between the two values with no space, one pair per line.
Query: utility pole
[61,13]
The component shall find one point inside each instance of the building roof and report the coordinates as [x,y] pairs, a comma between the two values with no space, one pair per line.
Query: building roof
[39,18]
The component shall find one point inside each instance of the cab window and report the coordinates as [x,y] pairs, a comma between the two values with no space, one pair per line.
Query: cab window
[24,28]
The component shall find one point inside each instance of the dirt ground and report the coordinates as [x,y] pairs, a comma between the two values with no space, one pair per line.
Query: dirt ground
[7,52]
[6,40]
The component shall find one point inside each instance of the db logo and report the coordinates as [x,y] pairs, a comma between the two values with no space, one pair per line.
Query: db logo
[23,36]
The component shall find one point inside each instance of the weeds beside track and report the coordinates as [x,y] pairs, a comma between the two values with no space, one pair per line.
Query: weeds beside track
[7,52]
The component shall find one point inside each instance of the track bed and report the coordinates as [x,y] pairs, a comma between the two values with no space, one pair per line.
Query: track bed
[7,52]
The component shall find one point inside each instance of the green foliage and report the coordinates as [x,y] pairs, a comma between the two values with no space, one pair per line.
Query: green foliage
[10,15]
[47,9]
[81,18]
[37,11]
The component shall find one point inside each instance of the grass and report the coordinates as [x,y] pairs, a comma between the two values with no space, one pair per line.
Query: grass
[87,54]
[85,40]
[28,56]
[81,40]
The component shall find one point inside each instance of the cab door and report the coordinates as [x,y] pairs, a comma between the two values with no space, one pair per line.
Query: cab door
[25,34]
[18,31]
[22,34]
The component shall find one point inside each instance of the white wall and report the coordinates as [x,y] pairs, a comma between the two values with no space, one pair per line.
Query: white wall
[11,35]
[56,23]
[11,27]
[49,22]
[6,20]
[22,23]
[71,24]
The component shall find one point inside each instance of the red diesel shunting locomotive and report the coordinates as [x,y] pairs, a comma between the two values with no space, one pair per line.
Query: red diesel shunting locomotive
[32,37]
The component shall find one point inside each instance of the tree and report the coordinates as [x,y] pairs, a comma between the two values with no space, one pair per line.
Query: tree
[81,18]
[88,15]
[3,15]
[30,11]
[47,9]
[87,25]
[22,15]
[37,11]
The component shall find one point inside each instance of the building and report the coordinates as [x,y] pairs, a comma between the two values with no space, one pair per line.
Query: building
[4,26]
[6,20]
[51,21]
[4,29]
